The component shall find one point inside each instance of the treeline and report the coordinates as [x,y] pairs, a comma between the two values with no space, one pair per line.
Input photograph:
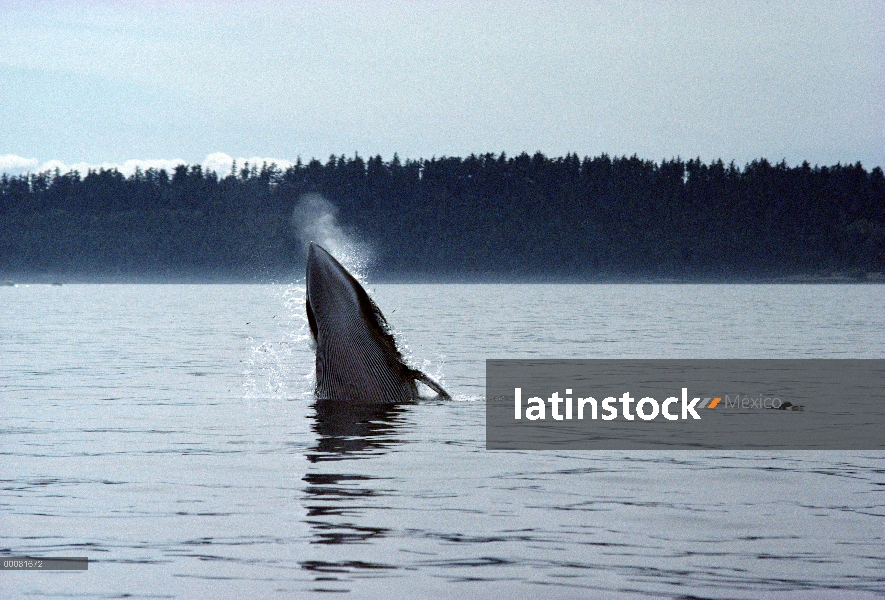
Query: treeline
[486,217]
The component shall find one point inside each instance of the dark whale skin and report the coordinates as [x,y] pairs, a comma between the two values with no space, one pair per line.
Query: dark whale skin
[357,360]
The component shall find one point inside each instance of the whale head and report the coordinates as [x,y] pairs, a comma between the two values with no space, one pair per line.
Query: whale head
[357,360]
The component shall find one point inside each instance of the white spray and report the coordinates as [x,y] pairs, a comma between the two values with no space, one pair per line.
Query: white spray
[314,219]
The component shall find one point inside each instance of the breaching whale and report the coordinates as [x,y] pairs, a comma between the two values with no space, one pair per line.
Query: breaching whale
[357,360]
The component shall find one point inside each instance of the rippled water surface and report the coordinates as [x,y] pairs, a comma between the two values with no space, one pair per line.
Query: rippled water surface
[167,433]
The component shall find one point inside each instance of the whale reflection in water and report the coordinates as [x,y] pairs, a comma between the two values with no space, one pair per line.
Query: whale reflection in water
[345,434]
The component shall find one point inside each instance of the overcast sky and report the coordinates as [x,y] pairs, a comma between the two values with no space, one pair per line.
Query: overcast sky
[110,82]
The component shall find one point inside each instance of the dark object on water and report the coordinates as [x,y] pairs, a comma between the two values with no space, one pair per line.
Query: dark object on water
[790,406]
[357,360]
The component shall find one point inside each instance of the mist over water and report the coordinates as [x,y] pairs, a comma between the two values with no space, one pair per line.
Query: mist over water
[314,219]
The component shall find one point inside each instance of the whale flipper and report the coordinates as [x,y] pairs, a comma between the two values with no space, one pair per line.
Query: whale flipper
[419,376]
[357,360]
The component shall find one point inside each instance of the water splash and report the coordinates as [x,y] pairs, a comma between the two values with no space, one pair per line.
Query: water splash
[314,219]
[269,371]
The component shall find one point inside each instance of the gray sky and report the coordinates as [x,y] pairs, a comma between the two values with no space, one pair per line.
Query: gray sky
[107,82]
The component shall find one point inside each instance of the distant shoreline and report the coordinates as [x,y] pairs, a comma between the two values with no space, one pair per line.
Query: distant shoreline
[119,279]
[483,218]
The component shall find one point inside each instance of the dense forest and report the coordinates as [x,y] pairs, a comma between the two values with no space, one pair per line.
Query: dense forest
[480,218]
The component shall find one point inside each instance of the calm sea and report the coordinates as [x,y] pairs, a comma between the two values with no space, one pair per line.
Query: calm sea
[167,433]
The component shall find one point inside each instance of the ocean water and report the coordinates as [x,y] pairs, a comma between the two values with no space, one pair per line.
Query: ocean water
[168,434]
